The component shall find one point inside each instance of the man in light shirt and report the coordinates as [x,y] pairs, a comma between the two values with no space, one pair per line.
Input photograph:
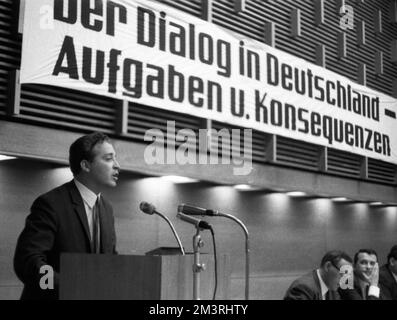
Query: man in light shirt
[388,276]
[322,283]
[73,217]
[366,277]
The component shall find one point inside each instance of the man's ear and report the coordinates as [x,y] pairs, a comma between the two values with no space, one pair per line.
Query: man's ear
[85,165]
[327,266]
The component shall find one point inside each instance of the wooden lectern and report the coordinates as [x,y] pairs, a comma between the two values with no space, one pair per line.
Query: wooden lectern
[129,277]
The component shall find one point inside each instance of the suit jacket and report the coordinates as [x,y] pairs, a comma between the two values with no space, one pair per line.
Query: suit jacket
[387,284]
[57,223]
[308,287]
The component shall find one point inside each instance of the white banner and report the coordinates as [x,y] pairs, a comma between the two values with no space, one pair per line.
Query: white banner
[146,52]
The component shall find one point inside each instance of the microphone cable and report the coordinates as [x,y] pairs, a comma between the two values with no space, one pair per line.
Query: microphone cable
[215,263]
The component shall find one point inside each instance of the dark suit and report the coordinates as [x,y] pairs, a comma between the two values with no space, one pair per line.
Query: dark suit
[57,223]
[387,284]
[308,287]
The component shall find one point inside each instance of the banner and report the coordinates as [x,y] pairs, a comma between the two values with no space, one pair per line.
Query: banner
[146,52]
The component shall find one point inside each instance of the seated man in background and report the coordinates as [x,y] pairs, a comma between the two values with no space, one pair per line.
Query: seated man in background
[366,277]
[322,283]
[388,276]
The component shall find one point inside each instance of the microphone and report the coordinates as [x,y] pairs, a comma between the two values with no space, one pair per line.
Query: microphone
[196,211]
[186,210]
[148,208]
[196,222]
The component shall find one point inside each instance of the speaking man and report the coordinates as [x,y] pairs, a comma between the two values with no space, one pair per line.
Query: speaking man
[73,217]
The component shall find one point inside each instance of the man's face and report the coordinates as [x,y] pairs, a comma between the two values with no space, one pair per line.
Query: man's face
[364,265]
[393,265]
[104,168]
[334,273]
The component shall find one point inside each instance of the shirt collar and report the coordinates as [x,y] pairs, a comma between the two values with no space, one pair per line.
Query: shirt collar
[323,286]
[88,196]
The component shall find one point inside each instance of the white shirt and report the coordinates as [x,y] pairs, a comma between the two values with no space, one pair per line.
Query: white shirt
[89,199]
[323,286]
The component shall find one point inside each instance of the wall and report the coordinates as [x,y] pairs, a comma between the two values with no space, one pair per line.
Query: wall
[288,235]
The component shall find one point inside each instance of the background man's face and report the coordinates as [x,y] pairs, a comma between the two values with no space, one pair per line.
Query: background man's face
[364,265]
[104,168]
[334,274]
[393,265]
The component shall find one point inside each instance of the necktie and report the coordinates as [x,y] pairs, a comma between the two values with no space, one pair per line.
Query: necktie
[365,293]
[95,227]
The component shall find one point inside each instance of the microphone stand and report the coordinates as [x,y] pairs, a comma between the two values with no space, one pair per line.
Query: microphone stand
[247,249]
[197,266]
[173,231]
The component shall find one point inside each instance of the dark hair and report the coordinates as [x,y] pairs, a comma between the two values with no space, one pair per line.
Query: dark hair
[81,150]
[368,251]
[392,254]
[334,257]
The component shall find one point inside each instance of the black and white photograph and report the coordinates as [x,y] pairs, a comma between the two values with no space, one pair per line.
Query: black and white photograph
[200,155]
